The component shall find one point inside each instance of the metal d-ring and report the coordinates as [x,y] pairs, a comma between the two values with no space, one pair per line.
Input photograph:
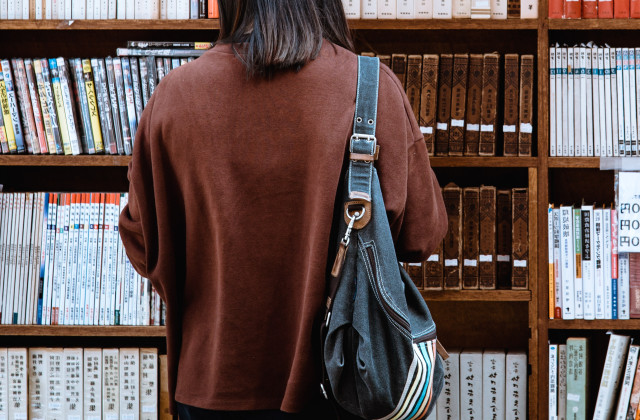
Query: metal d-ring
[356,215]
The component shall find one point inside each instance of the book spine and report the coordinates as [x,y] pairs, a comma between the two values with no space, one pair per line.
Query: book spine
[92,101]
[489,105]
[129,97]
[135,82]
[595,267]
[613,366]
[606,146]
[520,241]
[452,248]
[104,106]
[568,260]
[114,108]
[35,106]
[458,104]
[504,237]
[423,9]
[603,275]
[448,404]
[487,240]
[605,9]
[562,381]
[149,384]
[471,392]
[111,384]
[552,100]
[60,108]
[511,103]
[12,107]
[529,9]
[571,102]
[442,9]
[399,68]
[17,368]
[577,267]
[614,265]
[428,99]
[70,109]
[589,9]
[553,382]
[474,104]
[416,273]
[122,106]
[24,102]
[470,240]
[550,258]
[585,122]
[623,285]
[621,9]
[577,374]
[414,83]
[434,267]
[627,381]
[445,80]
[48,102]
[461,9]
[80,102]
[144,80]
[516,385]
[92,372]
[493,384]
[351,9]
[572,9]
[620,105]
[129,383]
[588,220]
[73,383]
[525,131]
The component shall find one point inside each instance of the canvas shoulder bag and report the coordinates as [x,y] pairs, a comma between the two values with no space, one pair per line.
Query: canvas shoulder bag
[378,336]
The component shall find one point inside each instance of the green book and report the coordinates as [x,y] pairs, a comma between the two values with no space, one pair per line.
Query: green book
[577,373]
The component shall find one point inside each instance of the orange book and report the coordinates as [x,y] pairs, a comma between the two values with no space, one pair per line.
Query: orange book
[572,9]
[621,9]
[634,9]
[605,9]
[556,9]
[589,9]
[212,9]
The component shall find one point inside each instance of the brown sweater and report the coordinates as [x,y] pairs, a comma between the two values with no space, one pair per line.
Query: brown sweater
[232,190]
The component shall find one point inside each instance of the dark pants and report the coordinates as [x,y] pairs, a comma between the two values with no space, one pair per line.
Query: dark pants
[319,410]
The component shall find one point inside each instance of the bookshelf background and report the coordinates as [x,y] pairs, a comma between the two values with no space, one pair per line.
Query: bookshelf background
[515,320]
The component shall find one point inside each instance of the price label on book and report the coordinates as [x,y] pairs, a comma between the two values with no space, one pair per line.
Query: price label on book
[629,212]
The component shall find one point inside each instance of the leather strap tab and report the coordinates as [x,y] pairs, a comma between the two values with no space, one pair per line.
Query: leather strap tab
[361,157]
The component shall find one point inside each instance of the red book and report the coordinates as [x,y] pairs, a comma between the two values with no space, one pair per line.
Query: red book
[634,285]
[572,9]
[212,8]
[556,9]
[634,6]
[605,9]
[589,9]
[621,9]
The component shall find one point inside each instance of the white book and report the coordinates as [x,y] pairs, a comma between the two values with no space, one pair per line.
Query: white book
[614,101]
[33,277]
[552,101]
[387,9]
[598,149]
[100,287]
[559,101]
[101,9]
[370,9]
[90,9]
[589,242]
[73,281]
[423,9]
[113,9]
[529,9]
[130,9]
[49,9]
[461,9]
[163,9]
[498,9]
[110,384]
[25,10]
[566,139]
[577,273]
[121,8]
[620,96]
[73,384]
[606,143]
[597,262]
[85,212]
[627,382]
[61,268]
[351,9]
[516,386]
[129,384]
[14,287]
[182,9]
[442,9]
[91,256]
[55,389]
[606,264]
[26,202]
[120,291]
[38,371]
[4,13]
[633,101]
[67,8]
[70,276]
[4,227]
[480,9]
[113,259]
[589,100]
[597,118]
[105,286]
[92,397]
[613,366]
[37,263]
[577,123]
[38,11]
[17,369]
[471,383]
[493,384]
[584,122]
[567,259]
[627,100]
[406,9]
[4,384]
[623,285]
[9,275]
[10,9]
[149,384]
[49,258]
[562,381]
[553,382]
[154,9]
[78,9]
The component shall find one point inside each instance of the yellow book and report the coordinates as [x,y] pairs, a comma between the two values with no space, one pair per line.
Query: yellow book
[93,105]
[6,116]
[62,116]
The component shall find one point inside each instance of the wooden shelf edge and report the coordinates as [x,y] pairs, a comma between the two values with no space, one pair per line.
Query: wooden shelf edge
[477,295]
[593,24]
[483,162]
[574,162]
[55,160]
[82,331]
[214,24]
[598,324]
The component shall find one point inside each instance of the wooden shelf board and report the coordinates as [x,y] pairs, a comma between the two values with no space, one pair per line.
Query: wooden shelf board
[477,295]
[574,162]
[59,160]
[81,331]
[484,162]
[598,324]
[211,24]
[594,24]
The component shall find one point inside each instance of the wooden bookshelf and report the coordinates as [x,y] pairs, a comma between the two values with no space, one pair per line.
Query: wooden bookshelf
[574,162]
[593,24]
[477,295]
[81,331]
[484,162]
[598,324]
[59,160]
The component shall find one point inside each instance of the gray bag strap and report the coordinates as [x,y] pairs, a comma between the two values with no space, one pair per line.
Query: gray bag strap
[363,146]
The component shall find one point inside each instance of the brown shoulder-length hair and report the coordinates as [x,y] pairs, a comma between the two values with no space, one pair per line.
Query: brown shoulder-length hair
[281,34]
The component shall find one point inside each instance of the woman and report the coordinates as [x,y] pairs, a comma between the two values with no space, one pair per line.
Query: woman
[233,180]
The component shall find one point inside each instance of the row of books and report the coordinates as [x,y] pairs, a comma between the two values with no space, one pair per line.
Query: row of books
[485,384]
[455,99]
[440,9]
[77,383]
[75,106]
[108,9]
[493,251]
[593,9]
[62,262]
[593,98]
[588,278]
[569,379]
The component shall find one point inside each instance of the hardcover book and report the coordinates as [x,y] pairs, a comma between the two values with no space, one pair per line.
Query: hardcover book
[489,105]
[511,102]
[452,248]
[458,104]
[474,104]
[470,238]
[428,99]
[445,79]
